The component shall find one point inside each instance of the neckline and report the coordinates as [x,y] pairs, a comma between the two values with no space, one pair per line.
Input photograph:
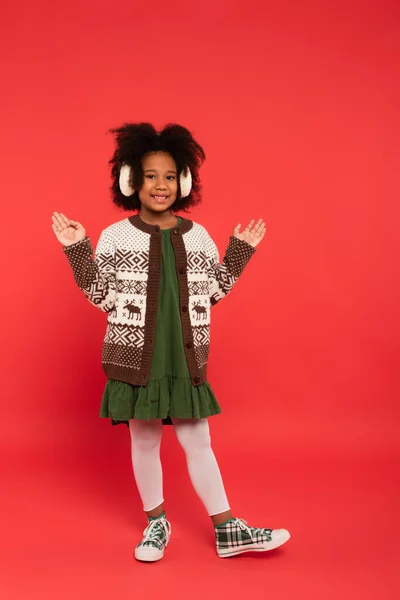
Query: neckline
[175,226]
[184,225]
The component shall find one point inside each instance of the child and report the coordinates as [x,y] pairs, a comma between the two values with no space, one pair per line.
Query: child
[157,275]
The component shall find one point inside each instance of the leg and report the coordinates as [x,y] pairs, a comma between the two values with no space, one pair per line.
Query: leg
[194,437]
[146,462]
[145,442]
[233,536]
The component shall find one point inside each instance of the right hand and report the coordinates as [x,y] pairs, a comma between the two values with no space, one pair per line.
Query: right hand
[67,232]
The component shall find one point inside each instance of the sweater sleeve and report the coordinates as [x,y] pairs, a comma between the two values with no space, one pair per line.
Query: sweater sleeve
[222,277]
[95,276]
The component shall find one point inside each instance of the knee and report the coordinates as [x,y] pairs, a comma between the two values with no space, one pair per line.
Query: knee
[145,436]
[193,436]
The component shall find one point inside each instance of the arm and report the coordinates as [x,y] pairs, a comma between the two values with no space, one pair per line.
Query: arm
[96,277]
[222,277]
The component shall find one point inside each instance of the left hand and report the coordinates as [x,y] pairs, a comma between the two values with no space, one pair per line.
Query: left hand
[252,234]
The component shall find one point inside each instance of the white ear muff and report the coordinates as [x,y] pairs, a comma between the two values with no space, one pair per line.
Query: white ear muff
[125,180]
[185,182]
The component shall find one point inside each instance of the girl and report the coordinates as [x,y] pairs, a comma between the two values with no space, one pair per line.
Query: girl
[157,275]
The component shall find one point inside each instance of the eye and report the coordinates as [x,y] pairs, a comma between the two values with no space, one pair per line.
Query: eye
[150,176]
[171,177]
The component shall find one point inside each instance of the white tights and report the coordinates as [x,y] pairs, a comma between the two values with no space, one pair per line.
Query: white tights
[194,437]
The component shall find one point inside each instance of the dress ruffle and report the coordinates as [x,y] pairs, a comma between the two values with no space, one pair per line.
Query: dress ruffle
[160,399]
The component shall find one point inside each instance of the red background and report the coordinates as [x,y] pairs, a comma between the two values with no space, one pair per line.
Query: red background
[296,105]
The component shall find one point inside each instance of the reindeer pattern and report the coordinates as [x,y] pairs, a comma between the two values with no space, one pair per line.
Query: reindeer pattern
[130,309]
[132,312]
[126,311]
[201,311]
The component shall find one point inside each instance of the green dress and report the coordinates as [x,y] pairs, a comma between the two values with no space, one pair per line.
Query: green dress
[169,391]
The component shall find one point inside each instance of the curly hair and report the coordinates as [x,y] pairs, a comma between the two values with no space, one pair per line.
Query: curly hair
[135,140]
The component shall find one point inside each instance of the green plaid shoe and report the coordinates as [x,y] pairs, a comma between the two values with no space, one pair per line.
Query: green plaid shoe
[235,537]
[156,537]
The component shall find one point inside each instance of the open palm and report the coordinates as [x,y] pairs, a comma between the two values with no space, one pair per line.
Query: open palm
[67,232]
[252,234]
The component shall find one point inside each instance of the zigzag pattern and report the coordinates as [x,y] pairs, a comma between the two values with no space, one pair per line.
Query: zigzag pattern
[105,262]
[97,291]
[124,335]
[126,260]
[127,286]
[226,281]
[201,335]
[197,262]
[198,288]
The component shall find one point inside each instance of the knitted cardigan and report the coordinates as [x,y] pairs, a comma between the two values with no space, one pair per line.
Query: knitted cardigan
[123,277]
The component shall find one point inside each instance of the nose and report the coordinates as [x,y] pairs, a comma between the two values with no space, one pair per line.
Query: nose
[160,185]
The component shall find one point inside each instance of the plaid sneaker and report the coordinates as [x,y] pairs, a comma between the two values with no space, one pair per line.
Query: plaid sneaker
[236,536]
[156,537]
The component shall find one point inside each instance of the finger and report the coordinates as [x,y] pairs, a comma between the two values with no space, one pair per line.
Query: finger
[263,228]
[237,228]
[65,219]
[58,217]
[258,227]
[56,230]
[59,221]
[249,225]
[55,225]
[260,235]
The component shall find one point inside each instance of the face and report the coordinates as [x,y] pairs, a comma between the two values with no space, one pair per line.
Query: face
[160,182]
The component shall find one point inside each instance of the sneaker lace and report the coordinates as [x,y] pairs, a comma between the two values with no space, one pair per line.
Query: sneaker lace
[253,532]
[154,531]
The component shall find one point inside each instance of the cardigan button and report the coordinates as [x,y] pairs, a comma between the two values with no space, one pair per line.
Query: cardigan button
[176,231]
[182,270]
[189,345]
[196,379]
[157,228]
[184,308]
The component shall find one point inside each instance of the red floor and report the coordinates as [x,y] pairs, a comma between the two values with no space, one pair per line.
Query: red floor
[72,519]
[297,105]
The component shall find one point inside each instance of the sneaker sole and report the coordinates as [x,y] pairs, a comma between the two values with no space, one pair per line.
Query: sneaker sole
[253,547]
[148,554]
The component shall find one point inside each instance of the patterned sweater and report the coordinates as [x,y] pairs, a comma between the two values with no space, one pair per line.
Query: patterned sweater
[123,277]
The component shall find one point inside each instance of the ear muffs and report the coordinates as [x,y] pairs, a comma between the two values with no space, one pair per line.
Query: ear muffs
[125,180]
[185,181]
